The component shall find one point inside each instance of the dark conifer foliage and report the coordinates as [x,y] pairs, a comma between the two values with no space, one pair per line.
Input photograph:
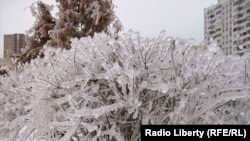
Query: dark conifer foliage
[75,19]
[81,18]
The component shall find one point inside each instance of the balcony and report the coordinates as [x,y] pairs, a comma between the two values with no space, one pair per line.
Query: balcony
[248,24]
[211,16]
[248,10]
[212,21]
[240,8]
[218,7]
[238,28]
[245,33]
[238,15]
[239,22]
[239,2]
[247,29]
[218,12]
[247,39]
[246,5]
[211,27]
[211,32]
[217,36]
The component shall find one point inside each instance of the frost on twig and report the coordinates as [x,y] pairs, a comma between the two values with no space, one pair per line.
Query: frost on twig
[104,88]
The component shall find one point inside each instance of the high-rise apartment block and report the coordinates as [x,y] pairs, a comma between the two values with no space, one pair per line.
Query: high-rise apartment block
[241,26]
[13,43]
[228,24]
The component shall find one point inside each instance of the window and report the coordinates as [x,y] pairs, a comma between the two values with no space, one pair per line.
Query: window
[235,42]
[218,12]
[211,16]
[248,10]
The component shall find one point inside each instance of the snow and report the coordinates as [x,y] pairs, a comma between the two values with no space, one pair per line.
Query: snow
[103,87]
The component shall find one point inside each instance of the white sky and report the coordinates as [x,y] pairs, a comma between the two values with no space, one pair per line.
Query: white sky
[180,18]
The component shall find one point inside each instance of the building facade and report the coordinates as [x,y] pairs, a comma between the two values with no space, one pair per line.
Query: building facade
[13,43]
[241,26]
[226,23]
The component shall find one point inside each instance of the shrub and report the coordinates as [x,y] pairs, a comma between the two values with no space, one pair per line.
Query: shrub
[105,88]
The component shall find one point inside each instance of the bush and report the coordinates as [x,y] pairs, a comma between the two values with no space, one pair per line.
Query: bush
[105,88]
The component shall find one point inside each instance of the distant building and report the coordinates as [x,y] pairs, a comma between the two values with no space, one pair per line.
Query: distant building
[228,24]
[13,43]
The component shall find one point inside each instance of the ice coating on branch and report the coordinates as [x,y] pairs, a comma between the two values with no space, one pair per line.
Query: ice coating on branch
[213,47]
[104,86]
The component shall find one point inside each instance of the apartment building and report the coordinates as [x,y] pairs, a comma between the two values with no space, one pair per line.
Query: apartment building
[227,24]
[13,43]
[218,25]
[241,26]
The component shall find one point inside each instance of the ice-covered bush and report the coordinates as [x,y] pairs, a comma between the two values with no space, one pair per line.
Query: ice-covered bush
[105,88]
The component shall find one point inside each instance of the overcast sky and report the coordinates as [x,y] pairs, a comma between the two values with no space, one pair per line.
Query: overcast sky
[180,18]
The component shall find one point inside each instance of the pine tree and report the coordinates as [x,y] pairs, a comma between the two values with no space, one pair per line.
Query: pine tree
[38,35]
[76,19]
[43,24]
[81,18]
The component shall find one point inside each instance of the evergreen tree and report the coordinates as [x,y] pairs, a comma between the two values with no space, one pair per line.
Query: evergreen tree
[38,35]
[81,18]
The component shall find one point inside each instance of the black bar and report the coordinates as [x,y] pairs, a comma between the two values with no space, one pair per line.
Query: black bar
[195,132]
